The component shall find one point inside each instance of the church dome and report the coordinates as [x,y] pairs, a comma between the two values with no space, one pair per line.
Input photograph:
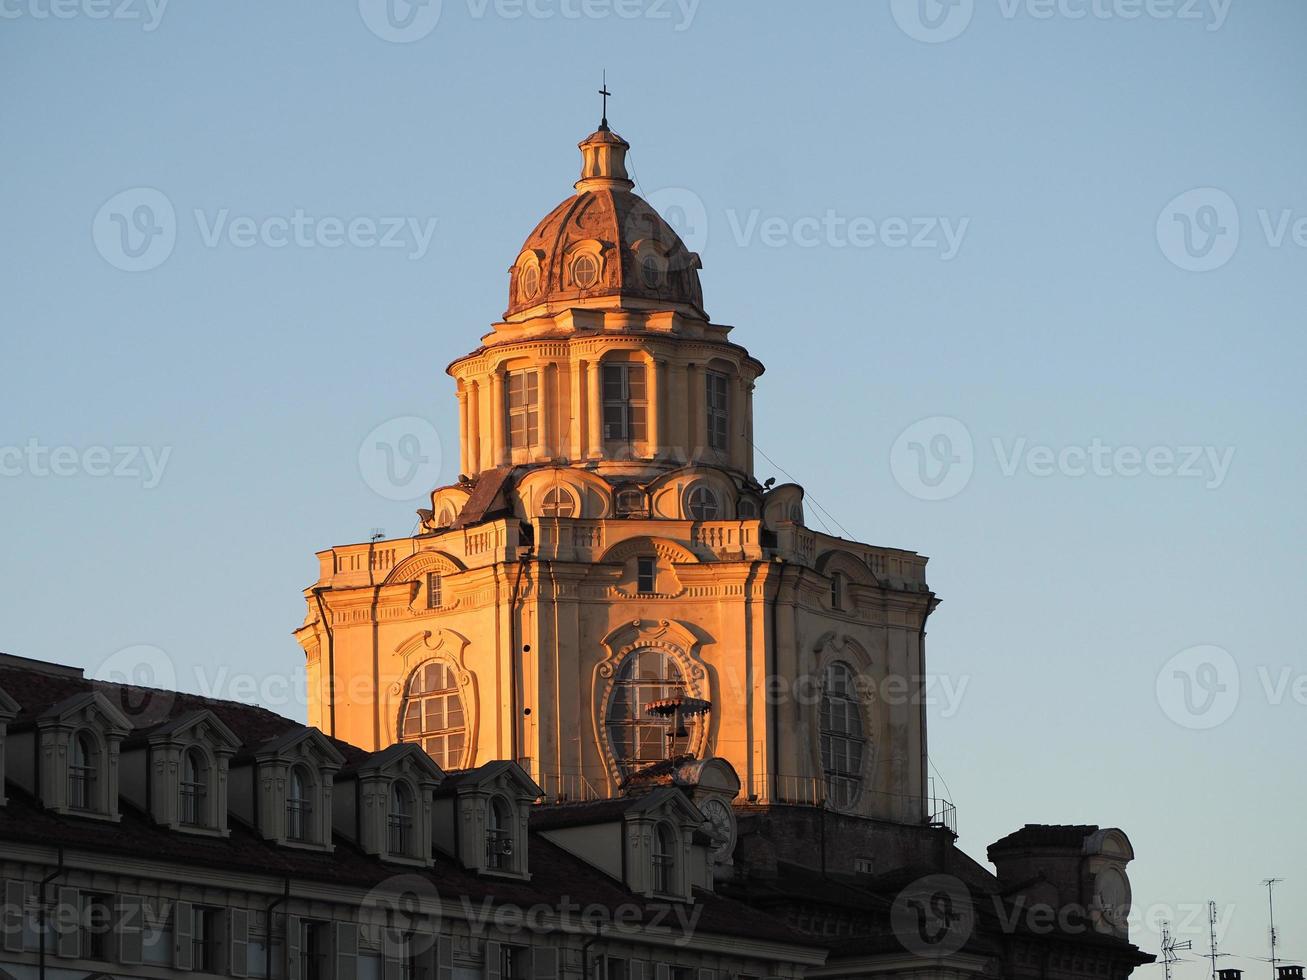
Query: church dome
[603,243]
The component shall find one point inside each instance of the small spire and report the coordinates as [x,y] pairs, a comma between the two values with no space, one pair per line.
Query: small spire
[603,121]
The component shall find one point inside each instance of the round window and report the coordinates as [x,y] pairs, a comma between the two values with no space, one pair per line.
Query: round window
[585,271]
[530,281]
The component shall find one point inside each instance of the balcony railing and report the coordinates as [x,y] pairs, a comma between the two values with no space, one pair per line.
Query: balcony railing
[929,810]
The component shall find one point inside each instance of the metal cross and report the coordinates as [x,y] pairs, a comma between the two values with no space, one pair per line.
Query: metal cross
[603,123]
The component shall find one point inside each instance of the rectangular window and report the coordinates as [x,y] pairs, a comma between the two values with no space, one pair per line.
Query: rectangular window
[615,968]
[313,951]
[626,408]
[371,966]
[523,396]
[97,925]
[156,933]
[864,866]
[515,962]
[434,597]
[716,400]
[646,574]
[206,937]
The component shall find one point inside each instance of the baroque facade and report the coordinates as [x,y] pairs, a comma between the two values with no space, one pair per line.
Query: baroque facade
[608,545]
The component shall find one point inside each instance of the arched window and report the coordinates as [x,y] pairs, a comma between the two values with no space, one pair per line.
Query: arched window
[746,509]
[701,504]
[83,758]
[557,502]
[446,517]
[664,859]
[499,835]
[399,821]
[585,271]
[432,714]
[194,788]
[637,737]
[842,740]
[299,804]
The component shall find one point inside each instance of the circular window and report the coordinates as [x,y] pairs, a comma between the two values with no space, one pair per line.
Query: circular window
[530,281]
[650,272]
[701,503]
[585,271]
[558,503]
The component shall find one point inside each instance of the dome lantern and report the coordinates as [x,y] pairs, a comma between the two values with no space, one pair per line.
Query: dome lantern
[603,162]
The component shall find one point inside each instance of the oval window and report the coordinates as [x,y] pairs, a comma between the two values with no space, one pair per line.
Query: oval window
[530,281]
[585,271]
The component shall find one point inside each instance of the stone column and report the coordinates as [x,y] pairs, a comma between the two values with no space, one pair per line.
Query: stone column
[464,433]
[474,429]
[695,417]
[654,393]
[542,448]
[497,418]
[594,409]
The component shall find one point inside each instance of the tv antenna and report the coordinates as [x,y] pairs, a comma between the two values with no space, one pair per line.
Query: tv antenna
[1212,954]
[1270,884]
[1170,946]
[376,534]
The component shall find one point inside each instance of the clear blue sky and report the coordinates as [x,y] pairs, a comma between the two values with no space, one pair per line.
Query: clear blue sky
[1068,317]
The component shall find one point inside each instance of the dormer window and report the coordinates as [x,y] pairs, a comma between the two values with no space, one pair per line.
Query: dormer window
[83,765]
[664,859]
[399,821]
[194,788]
[585,271]
[299,805]
[499,835]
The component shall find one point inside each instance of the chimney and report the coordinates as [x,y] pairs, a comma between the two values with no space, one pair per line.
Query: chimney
[1288,973]
[1229,974]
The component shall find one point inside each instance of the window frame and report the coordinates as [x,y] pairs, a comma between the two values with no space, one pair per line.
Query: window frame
[299,809]
[435,590]
[193,794]
[523,384]
[84,776]
[624,414]
[628,691]
[843,741]
[453,740]
[499,834]
[555,500]
[401,806]
[695,507]
[662,855]
[646,574]
[717,410]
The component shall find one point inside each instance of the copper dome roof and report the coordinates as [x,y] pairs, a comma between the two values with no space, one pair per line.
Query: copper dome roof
[604,242]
